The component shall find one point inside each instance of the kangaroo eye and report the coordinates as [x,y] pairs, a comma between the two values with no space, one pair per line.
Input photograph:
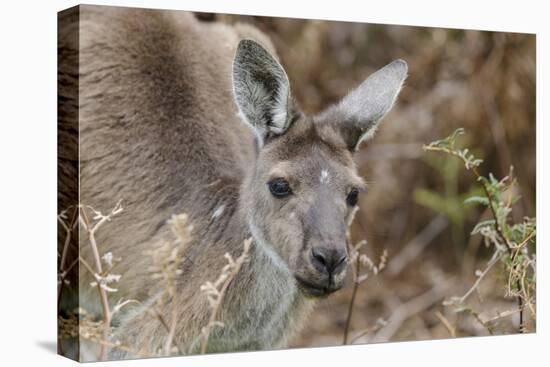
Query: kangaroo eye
[353,197]
[279,187]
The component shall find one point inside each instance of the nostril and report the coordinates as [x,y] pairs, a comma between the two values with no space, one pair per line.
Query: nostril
[341,260]
[328,260]
[319,256]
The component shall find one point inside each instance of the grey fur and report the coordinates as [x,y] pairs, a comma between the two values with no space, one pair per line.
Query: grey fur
[362,109]
[160,130]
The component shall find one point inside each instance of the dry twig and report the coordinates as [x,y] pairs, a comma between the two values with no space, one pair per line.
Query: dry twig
[446,323]
[102,280]
[412,307]
[215,292]
[357,260]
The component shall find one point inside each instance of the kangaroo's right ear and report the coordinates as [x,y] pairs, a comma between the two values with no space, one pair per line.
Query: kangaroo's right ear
[261,90]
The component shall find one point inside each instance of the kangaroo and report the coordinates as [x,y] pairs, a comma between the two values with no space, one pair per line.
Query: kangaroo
[182,116]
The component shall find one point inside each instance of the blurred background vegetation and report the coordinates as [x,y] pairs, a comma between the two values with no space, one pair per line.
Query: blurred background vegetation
[482,81]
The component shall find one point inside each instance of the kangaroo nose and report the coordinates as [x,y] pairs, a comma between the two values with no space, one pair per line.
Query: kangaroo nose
[330,260]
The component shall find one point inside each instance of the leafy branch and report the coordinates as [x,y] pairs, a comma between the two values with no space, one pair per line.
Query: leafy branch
[513,243]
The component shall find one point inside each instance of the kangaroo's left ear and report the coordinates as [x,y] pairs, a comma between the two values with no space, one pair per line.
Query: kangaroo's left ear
[261,90]
[357,115]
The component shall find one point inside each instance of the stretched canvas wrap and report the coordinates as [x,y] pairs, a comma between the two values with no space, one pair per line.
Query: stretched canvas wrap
[236,183]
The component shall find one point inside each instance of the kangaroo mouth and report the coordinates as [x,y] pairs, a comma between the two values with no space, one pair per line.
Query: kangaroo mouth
[314,290]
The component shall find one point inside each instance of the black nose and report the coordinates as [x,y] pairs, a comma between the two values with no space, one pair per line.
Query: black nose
[329,260]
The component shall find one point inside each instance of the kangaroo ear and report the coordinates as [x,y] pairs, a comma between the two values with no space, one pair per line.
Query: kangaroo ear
[358,114]
[261,90]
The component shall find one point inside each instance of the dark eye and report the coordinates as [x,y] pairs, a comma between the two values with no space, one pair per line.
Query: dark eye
[279,187]
[352,198]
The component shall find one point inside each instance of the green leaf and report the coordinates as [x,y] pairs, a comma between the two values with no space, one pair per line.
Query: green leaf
[483,224]
[449,141]
[477,200]
[493,180]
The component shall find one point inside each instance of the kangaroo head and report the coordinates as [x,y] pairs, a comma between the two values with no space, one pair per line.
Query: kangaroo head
[303,190]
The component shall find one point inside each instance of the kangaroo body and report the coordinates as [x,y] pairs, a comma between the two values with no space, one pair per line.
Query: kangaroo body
[160,130]
[180,116]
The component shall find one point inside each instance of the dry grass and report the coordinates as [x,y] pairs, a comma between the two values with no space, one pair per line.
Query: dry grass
[215,291]
[362,267]
[167,258]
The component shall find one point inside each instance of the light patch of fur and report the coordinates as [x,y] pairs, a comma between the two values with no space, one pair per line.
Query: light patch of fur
[324,178]
[218,212]
[280,109]
[267,248]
